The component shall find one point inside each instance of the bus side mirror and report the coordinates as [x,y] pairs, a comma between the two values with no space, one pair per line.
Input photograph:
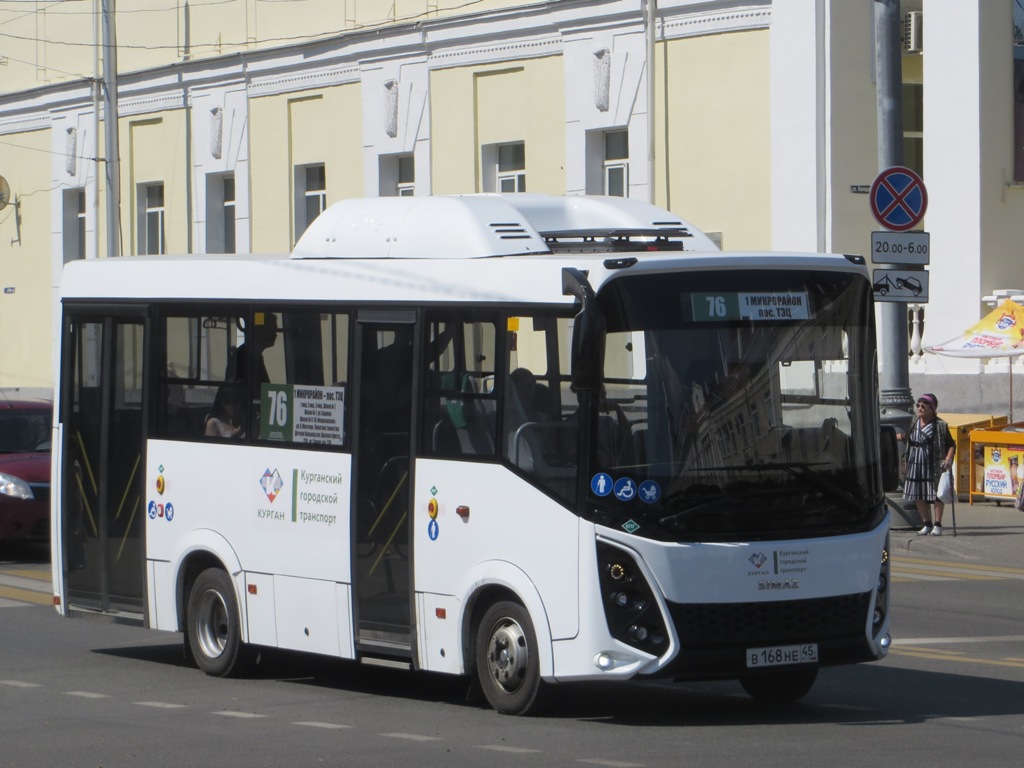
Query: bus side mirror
[588,333]
[889,456]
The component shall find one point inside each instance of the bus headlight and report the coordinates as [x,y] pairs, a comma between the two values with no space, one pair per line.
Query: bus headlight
[630,607]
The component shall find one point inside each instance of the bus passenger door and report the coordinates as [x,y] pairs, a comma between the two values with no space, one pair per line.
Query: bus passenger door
[381,466]
[102,512]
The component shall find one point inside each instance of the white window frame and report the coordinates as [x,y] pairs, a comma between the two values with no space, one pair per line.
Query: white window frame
[151,216]
[310,197]
[615,164]
[75,220]
[221,220]
[510,172]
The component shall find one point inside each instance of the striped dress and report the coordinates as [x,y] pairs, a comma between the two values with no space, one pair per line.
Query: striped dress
[920,481]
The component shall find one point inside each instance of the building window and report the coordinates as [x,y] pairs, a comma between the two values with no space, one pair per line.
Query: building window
[616,163]
[511,176]
[151,219]
[220,214]
[74,224]
[397,176]
[406,176]
[310,195]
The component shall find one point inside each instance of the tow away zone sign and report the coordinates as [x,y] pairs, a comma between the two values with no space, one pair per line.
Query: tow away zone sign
[901,285]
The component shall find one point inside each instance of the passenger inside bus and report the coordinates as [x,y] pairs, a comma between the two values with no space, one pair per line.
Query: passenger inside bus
[227,414]
[258,339]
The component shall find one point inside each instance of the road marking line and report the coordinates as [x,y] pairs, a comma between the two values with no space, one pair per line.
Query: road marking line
[937,656]
[943,574]
[958,640]
[87,694]
[948,564]
[512,750]
[159,704]
[27,596]
[44,576]
[411,736]
[240,715]
[610,763]
[330,726]
[19,684]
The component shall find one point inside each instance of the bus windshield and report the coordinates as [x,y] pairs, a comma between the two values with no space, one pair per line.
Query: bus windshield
[734,406]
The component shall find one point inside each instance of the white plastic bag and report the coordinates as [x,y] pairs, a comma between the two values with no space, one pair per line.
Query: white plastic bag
[944,492]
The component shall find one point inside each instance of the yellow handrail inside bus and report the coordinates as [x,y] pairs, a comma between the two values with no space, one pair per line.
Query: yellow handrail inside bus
[85,460]
[384,549]
[387,505]
[128,486]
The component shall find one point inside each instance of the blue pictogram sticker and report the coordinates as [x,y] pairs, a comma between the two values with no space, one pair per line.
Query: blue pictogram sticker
[152,510]
[601,484]
[650,491]
[433,530]
[168,512]
[625,489]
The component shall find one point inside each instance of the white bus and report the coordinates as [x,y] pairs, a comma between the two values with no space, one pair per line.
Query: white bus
[528,439]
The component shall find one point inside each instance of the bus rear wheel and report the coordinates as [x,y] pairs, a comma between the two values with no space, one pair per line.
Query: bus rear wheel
[506,659]
[780,687]
[214,627]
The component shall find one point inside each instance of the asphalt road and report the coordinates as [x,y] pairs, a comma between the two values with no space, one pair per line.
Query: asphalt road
[86,693]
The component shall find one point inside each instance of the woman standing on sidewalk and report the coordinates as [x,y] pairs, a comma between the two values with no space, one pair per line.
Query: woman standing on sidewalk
[930,454]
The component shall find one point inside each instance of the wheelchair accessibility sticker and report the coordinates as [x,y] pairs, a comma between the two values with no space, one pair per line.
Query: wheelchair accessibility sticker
[625,488]
[166,511]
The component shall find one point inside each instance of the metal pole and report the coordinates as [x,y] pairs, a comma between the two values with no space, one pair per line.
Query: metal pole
[896,400]
[110,133]
[96,88]
[651,30]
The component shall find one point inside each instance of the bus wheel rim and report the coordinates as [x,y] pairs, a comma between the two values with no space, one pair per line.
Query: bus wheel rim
[508,655]
[212,624]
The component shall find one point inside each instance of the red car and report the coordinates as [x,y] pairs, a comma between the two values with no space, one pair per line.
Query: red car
[25,469]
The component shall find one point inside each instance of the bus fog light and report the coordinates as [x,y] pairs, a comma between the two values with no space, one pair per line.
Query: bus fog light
[604,661]
[885,642]
[638,633]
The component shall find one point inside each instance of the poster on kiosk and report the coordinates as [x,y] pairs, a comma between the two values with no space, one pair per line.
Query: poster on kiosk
[1002,469]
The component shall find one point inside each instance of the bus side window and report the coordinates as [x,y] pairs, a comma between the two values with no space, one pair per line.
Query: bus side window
[540,423]
[196,351]
[309,362]
[459,410]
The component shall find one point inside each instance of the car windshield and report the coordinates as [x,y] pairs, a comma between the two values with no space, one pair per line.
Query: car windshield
[26,430]
[737,406]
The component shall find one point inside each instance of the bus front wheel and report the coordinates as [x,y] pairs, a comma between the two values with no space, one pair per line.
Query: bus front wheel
[214,631]
[780,687]
[506,659]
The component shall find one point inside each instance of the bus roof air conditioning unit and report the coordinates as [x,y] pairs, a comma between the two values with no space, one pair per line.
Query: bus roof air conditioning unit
[913,32]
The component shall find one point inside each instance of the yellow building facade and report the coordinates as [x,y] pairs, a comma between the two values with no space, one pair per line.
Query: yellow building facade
[240,120]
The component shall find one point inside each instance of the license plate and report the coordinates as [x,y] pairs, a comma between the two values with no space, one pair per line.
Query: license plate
[781,655]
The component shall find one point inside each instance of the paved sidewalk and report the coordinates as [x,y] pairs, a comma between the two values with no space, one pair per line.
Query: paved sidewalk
[985,533]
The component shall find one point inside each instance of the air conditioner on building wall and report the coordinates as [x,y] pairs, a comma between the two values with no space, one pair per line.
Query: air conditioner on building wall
[913,32]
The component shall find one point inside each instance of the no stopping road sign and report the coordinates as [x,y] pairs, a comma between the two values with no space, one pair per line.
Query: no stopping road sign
[898,199]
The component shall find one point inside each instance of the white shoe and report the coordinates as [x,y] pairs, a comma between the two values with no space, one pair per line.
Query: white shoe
[937,530]
[925,531]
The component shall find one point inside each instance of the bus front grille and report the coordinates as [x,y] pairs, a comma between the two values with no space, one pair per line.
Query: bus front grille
[770,623]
